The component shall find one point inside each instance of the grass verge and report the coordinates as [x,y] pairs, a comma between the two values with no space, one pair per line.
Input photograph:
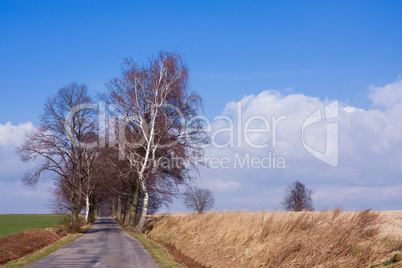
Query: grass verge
[157,251]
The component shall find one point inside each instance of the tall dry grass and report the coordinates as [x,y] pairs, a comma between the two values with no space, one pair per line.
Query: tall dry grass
[278,239]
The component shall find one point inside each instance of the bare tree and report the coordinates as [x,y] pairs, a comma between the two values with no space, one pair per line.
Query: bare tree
[65,123]
[161,122]
[198,199]
[298,197]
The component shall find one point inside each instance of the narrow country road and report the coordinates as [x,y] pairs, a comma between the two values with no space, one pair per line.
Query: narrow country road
[104,245]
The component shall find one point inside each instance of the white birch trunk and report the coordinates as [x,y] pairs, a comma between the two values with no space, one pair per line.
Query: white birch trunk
[142,178]
[144,209]
[86,209]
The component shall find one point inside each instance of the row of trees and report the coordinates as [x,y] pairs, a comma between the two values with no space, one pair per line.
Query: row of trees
[134,155]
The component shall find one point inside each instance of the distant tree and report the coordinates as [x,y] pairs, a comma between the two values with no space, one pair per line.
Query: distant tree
[298,197]
[198,199]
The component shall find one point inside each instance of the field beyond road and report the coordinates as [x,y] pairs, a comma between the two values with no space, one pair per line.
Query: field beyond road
[15,223]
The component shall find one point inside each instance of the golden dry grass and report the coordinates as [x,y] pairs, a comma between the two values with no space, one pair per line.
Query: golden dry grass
[283,239]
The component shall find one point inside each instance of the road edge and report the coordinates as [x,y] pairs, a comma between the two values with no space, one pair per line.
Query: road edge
[157,251]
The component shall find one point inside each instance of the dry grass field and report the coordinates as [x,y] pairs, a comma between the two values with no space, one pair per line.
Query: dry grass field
[283,239]
[393,223]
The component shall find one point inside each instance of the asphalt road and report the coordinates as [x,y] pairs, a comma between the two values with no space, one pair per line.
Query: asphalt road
[104,245]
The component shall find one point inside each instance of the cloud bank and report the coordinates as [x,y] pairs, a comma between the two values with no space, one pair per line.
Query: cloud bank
[15,197]
[257,150]
[368,150]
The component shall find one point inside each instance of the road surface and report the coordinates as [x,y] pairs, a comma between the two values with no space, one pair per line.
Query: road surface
[104,245]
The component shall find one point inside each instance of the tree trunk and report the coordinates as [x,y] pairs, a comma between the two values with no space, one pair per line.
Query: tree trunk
[73,209]
[136,200]
[127,209]
[132,205]
[75,220]
[98,210]
[92,212]
[113,209]
[130,214]
[118,211]
[144,208]
[87,204]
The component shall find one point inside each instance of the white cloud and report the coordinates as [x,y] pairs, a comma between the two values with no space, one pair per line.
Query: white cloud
[10,137]
[370,151]
[388,95]
[14,196]
[224,185]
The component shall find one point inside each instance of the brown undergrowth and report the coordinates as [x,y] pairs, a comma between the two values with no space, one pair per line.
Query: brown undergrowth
[16,246]
[21,244]
[279,239]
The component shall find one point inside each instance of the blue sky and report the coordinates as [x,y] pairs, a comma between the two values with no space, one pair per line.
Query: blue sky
[330,50]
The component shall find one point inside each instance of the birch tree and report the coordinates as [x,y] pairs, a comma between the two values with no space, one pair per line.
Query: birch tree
[159,120]
[91,178]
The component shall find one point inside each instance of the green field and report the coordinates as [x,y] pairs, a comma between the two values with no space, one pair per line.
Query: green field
[14,223]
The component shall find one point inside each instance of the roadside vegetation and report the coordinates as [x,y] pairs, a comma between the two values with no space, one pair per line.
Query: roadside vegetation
[42,235]
[37,255]
[157,251]
[280,239]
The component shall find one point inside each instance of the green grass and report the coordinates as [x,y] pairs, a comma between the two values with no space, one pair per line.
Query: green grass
[157,251]
[14,223]
[42,253]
